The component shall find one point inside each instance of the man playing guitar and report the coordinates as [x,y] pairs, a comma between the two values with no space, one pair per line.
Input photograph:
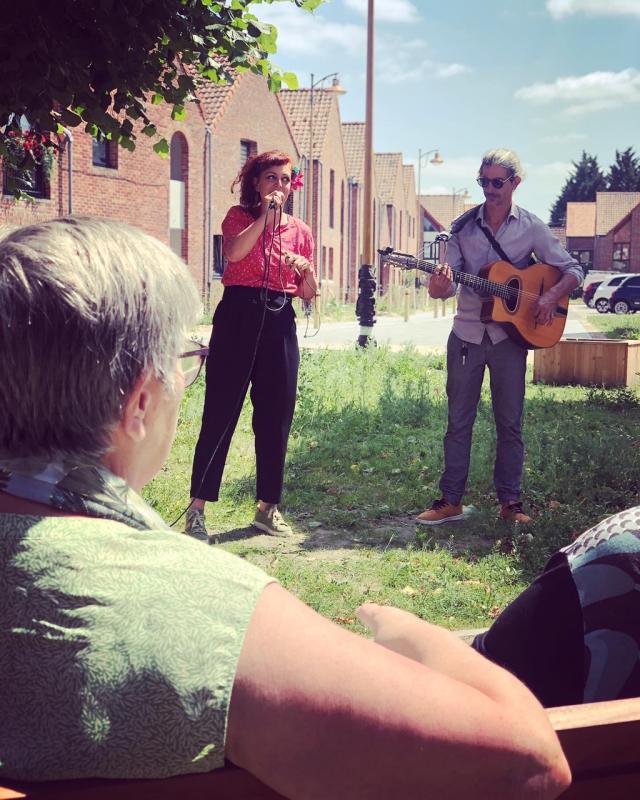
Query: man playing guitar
[481,236]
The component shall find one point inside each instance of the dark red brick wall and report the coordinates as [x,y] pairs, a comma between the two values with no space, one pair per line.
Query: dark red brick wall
[136,192]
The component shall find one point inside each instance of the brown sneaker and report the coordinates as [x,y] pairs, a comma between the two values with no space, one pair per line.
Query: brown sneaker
[441,511]
[271,521]
[512,512]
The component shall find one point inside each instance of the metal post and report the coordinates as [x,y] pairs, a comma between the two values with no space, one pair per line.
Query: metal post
[366,304]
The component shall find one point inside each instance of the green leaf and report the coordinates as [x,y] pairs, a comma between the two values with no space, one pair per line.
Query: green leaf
[150,130]
[178,114]
[162,148]
[67,117]
[291,79]
[156,99]
[275,83]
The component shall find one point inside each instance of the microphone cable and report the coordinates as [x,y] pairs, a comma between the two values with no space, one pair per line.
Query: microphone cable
[247,380]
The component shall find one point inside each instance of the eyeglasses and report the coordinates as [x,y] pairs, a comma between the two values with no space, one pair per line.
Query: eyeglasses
[497,183]
[192,360]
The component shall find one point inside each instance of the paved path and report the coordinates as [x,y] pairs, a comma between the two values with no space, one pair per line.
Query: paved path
[424,331]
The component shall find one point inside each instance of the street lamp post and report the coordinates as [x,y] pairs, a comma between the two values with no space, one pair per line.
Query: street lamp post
[436,160]
[366,304]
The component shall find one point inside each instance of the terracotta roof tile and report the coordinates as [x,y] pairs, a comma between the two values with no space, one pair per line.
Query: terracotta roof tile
[409,178]
[297,106]
[214,97]
[387,167]
[444,207]
[581,219]
[611,207]
[353,138]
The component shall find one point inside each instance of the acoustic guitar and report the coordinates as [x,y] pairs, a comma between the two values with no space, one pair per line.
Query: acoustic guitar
[509,295]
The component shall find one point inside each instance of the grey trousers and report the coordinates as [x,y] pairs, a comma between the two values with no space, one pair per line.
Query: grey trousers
[507,363]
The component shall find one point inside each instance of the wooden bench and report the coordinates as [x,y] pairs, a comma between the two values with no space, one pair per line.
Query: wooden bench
[601,742]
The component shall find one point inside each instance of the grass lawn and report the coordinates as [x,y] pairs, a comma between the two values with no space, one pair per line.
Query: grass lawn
[365,455]
[618,326]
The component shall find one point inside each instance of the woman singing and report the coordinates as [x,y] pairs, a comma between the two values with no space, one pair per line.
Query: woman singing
[270,261]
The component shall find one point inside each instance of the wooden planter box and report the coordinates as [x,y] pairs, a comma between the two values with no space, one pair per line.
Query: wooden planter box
[589,362]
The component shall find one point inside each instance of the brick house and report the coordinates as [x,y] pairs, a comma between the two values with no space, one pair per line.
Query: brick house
[411,232]
[580,232]
[354,148]
[329,178]
[612,244]
[164,197]
[444,207]
[391,216]
[605,234]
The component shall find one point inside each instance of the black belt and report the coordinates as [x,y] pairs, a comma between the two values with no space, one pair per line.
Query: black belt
[255,294]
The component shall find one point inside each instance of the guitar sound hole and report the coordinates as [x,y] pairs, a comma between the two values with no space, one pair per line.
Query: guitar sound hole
[511,300]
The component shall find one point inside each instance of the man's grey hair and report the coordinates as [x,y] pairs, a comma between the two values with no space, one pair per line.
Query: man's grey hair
[86,306]
[500,157]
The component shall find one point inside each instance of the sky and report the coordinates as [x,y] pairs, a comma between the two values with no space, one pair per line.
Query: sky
[546,78]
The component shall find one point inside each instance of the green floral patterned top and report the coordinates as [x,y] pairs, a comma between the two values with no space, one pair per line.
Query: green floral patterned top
[118,648]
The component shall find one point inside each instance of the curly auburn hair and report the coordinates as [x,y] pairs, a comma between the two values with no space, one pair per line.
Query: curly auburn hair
[252,169]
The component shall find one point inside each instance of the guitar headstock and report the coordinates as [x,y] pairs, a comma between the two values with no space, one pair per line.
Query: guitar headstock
[396,259]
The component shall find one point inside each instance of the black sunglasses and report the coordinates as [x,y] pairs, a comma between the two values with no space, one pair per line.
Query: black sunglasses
[497,183]
[193,358]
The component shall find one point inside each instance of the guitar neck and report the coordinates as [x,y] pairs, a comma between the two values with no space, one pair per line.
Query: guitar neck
[464,278]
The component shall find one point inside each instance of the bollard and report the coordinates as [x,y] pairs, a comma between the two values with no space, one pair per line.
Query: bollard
[366,304]
[406,305]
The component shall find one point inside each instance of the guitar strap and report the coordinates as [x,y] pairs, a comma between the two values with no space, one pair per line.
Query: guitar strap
[494,243]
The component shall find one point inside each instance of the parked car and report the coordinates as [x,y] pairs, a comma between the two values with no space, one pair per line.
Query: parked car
[605,290]
[626,297]
[589,291]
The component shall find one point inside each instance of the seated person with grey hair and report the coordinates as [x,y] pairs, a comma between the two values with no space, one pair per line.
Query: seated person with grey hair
[130,650]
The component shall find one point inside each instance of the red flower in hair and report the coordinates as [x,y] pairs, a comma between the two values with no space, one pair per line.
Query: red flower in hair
[296,178]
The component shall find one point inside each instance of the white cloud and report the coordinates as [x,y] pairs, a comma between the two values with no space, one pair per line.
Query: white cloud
[450,70]
[387,10]
[593,92]
[403,60]
[555,169]
[564,8]
[300,32]
[563,138]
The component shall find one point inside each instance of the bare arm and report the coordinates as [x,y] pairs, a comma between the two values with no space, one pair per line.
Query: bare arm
[241,245]
[545,307]
[308,286]
[317,712]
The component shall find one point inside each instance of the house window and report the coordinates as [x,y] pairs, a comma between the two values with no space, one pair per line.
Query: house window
[34,182]
[178,195]
[331,263]
[332,186]
[621,256]
[219,261]
[248,149]
[583,257]
[104,153]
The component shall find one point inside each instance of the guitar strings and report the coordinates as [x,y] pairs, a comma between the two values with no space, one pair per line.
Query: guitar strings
[501,290]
